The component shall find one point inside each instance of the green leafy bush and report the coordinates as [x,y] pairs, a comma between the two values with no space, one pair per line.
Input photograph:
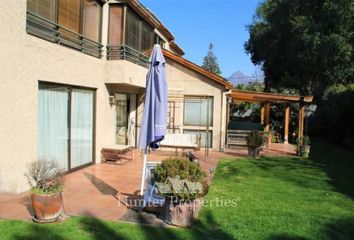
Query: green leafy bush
[304,141]
[276,137]
[338,115]
[180,176]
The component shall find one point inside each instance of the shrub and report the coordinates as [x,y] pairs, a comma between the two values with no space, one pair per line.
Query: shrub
[180,176]
[276,137]
[254,139]
[337,114]
[304,141]
[45,177]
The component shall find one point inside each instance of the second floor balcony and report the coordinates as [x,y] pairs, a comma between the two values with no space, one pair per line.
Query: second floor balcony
[124,52]
[41,27]
[94,27]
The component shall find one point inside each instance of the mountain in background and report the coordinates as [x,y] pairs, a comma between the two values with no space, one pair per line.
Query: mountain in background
[240,78]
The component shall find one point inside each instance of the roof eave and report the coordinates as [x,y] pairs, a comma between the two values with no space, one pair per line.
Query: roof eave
[176,48]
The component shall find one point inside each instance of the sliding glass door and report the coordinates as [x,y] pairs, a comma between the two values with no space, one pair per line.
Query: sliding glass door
[81,127]
[53,126]
[65,125]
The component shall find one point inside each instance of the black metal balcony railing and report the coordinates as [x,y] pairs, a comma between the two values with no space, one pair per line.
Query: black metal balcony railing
[125,52]
[50,31]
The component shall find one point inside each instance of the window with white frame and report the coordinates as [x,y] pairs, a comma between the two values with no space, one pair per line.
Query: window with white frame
[198,111]
[198,118]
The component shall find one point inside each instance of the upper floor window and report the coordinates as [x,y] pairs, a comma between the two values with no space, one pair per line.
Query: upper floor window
[130,37]
[138,34]
[147,38]
[68,22]
[43,8]
[92,15]
[79,16]
[115,32]
[160,41]
[133,30]
[69,14]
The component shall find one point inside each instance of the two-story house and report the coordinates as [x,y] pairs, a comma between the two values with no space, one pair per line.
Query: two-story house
[72,80]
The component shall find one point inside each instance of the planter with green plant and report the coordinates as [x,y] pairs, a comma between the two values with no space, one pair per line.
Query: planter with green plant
[303,146]
[254,142]
[47,182]
[183,184]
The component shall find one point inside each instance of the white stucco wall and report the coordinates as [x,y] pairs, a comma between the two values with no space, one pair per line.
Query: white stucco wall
[185,82]
[26,60]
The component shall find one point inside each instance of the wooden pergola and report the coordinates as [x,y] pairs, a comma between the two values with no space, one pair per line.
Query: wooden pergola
[266,99]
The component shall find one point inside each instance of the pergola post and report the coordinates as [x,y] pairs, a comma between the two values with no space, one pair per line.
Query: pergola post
[286,124]
[262,114]
[267,117]
[301,120]
[228,102]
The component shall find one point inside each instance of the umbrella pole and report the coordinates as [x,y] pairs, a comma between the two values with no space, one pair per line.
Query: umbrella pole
[143,175]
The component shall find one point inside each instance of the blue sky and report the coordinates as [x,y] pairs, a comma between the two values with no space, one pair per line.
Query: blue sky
[196,23]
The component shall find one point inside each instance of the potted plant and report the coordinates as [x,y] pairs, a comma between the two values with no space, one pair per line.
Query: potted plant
[47,182]
[183,184]
[254,142]
[303,146]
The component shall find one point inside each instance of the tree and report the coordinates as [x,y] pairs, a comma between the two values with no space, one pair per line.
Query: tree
[258,74]
[210,62]
[303,45]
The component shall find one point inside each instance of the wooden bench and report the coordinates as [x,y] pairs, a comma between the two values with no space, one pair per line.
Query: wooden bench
[121,153]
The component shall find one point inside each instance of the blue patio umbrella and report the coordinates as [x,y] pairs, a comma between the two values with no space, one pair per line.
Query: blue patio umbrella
[154,121]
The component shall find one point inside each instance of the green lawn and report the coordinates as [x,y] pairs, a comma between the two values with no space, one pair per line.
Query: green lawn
[277,198]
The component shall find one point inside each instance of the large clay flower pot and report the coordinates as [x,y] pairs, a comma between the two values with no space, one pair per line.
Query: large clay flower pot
[47,207]
[182,214]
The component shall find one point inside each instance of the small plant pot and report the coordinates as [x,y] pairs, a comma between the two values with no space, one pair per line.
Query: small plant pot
[254,152]
[47,207]
[182,214]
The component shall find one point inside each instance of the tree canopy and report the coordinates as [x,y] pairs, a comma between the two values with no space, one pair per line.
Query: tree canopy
[210,62]
[304,45]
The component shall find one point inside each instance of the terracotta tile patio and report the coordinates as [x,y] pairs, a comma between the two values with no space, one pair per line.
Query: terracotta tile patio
[98,190]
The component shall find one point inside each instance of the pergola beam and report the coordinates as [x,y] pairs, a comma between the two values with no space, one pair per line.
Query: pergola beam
[262,97]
